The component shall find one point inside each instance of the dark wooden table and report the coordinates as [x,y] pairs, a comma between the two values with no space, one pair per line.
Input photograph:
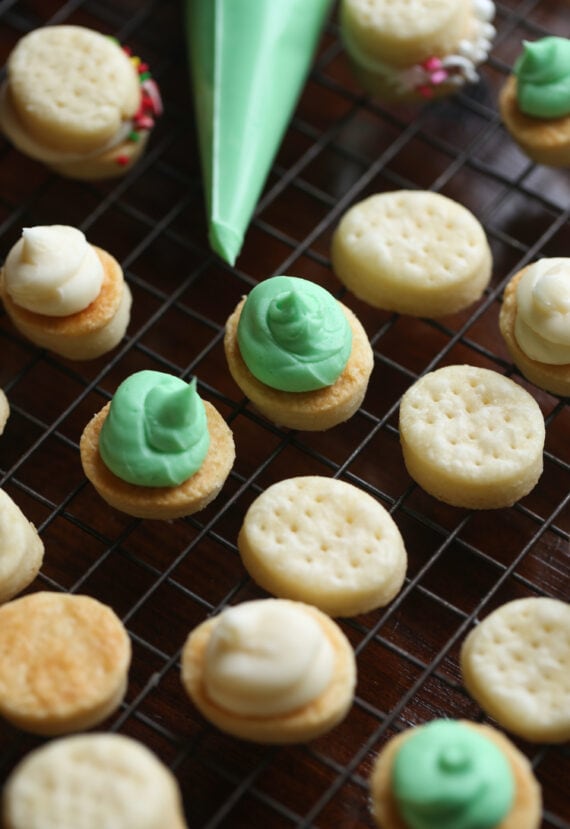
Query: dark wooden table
[163,579]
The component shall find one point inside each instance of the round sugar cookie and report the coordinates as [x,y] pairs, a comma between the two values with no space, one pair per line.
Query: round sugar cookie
[259,656]
[91,781]
[21,549]
[63,662]
[324,542]
[471,437]
[525,812]
[516,665]
[413,252]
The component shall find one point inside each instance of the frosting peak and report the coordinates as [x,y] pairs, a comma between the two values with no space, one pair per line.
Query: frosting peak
[53,270]
[267,657]
[293,335]
[542,323]
[543,78]
[156,430]
[449,776]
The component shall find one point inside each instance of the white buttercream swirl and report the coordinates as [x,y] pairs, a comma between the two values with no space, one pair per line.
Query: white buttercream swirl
[267,657]
[542,324]
[53,270]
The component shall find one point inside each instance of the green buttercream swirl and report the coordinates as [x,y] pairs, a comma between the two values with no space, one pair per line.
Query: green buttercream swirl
[448,776]
[156,430]
[543,78]
[293,335]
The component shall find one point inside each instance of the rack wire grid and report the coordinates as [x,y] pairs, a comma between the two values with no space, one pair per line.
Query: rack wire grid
[165,578]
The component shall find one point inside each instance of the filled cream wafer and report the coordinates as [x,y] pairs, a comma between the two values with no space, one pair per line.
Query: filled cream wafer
[325,542]
[21,549]
[417,50]
[270,671]
[64,294]
[412,251]
[516,664]
[535,323]
[91,781]
[471,775]
[63,662]
[471,437]
[77,101]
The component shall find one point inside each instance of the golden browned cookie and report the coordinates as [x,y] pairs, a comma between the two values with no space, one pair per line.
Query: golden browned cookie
[311,410]
[21,549]
[549,376]
[525,812]
[86,334]
[63,662]
[544,140]
[251,641]
[91,781]
[161,502]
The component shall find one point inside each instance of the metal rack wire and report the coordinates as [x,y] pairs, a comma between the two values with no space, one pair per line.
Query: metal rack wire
[164,579]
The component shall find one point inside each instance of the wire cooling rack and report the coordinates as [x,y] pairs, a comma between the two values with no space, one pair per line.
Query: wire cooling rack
[163,579]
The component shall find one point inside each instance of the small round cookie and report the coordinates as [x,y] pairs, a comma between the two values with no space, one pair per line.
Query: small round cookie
[535,101]
[4,411]
[64,294]
[471,775]
[299,330]
[21,549]
[325,542]
[535,323]
[77,101]
[471,437]
[416,50]
[412,251]
[91,781]
[270,671]
[157,450]
[63,662]
[516,665]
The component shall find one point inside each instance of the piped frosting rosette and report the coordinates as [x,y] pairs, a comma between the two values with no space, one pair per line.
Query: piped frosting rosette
[293,335]
[156,431]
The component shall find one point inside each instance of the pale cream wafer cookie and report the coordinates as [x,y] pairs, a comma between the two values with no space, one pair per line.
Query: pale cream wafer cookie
[325,542]
[270,671]
[526,808]
[64,294]
[77,101]
[4,411]
[412,251]
[516,664]
[91,781]
[419,49]
[471,437]
[21,549]
[63,662]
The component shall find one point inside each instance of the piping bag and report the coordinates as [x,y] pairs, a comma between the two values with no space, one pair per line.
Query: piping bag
[249,61]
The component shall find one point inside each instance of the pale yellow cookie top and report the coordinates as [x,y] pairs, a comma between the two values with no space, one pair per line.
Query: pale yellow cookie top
[516,663]
[91,781]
